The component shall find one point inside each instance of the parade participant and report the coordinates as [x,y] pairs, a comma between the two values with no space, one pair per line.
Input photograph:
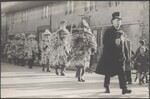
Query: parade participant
[16,48]
[83,45]
[6,47]
[45,50]
[128,64]
[142,61]
[60,41]
[8,50]
[22,49]
[32,50]
[63,24]
[112,60]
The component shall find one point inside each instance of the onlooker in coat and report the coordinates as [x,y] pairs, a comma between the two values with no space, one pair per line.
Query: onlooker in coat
[128,65]
[114,54]
[142,62]
[142,43]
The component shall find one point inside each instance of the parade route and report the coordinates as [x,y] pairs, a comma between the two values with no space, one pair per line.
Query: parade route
[22,82]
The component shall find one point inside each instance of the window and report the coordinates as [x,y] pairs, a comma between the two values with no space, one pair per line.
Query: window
[26,15]
[87,5]
[92,5]
[117,3]
[109,3]
[45,12]
[70,7]
[12,18]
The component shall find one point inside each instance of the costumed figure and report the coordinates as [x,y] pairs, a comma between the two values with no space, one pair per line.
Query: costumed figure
[60,51]
[16,49]
[82,46]
[21,49]
[45,50]
[31,50]
[8,51]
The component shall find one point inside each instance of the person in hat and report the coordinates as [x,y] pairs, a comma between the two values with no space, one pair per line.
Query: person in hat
[114,55]
[83,45]
[31,50]
[45,50]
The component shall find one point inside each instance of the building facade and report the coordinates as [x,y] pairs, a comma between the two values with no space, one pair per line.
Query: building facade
[38,16]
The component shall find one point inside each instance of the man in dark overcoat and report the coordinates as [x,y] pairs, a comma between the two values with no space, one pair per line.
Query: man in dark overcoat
[112,60]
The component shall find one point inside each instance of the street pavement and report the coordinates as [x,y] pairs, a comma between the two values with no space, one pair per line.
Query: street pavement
[22,82]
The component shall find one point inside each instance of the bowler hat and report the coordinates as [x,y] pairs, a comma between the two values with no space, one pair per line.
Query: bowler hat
[116,15]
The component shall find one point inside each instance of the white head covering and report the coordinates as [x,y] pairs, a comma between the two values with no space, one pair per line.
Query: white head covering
[47,32]
[31,36]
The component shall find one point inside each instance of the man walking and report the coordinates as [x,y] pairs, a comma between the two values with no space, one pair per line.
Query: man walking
[114,55]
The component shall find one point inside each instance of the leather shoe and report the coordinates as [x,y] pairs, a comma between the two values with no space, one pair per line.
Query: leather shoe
[124,91]
[107,90]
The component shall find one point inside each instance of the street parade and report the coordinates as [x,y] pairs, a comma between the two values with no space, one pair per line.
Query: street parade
[75,55]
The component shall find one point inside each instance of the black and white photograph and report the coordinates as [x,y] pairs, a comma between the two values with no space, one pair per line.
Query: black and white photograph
[74,49]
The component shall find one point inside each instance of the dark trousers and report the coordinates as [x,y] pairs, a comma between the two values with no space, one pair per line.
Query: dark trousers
[121,77]
[46,65]
[80,71]
[23,61]
[61,67]
[18,61]
[15,60]
[9,60]
[128,76]
[30,62]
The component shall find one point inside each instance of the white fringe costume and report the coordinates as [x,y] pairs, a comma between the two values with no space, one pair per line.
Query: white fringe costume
[60,48]
[82,43]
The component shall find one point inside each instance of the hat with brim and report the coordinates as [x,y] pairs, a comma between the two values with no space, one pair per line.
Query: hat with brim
[116,15]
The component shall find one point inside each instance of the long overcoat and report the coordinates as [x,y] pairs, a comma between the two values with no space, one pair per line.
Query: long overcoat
[128,64]
[112,59]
